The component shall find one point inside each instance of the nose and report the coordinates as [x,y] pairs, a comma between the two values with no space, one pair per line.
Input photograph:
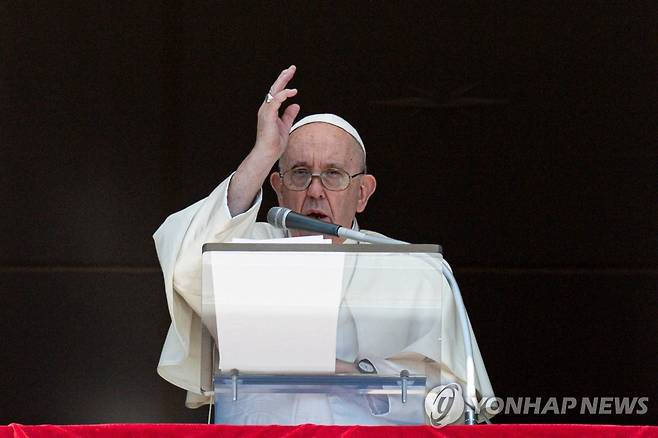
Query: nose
[315,189]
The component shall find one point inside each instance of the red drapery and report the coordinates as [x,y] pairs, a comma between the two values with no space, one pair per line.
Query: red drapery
[202,431]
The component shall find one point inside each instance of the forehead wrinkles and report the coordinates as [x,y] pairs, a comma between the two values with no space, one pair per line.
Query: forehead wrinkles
[323,145]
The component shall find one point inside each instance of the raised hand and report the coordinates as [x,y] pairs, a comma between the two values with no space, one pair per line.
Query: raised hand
[271,141]
[272,131]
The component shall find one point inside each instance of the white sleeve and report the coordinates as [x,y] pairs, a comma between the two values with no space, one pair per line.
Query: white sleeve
[178,244]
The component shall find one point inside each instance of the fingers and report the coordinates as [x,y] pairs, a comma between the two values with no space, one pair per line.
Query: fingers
[271,109]
[282,95]
[269,119]
[279,93]
[289,115]
[283,79]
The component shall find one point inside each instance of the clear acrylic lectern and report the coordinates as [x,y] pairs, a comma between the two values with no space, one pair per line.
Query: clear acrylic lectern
[387,328]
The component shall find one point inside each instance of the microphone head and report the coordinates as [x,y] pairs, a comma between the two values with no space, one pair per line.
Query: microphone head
[286,219]
[276,216]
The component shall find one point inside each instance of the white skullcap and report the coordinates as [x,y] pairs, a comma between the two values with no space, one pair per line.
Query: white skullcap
[331,119]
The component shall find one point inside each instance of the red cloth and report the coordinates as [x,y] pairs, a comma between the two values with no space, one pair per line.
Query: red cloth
[203,430]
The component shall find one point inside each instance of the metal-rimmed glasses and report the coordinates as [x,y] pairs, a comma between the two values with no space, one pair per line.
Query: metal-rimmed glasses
[299,178]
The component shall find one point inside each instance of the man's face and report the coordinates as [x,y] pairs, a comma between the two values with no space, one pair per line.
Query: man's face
[317,147]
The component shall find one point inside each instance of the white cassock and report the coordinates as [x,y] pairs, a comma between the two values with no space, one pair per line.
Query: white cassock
[178,242]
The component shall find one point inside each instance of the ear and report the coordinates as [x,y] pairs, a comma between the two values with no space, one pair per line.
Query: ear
[366,189]
[277,184]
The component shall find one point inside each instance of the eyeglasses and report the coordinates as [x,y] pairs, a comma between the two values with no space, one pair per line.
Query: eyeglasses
[299,178]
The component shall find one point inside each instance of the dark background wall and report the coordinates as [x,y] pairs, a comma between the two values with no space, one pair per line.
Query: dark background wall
[114,115]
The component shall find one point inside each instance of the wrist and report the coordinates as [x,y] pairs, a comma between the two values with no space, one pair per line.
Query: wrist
[264,153]
[257,164]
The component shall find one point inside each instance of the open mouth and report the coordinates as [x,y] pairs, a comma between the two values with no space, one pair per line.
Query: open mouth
[319,216]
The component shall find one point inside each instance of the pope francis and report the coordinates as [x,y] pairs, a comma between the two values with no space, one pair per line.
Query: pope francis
[321,173]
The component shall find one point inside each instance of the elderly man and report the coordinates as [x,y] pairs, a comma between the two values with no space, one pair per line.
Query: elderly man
[322,173]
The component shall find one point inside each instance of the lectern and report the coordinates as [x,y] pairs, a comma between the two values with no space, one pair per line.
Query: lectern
[387,303]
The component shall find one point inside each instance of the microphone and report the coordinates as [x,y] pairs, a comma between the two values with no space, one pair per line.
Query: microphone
[284,218]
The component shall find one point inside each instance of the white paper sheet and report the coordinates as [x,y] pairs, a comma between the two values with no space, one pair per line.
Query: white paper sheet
[300,239]
[277,312]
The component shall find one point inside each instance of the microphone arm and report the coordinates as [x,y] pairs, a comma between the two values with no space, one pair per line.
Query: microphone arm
[363,237]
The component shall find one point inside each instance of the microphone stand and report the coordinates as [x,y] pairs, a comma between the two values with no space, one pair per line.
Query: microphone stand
[349,233]
[470,398]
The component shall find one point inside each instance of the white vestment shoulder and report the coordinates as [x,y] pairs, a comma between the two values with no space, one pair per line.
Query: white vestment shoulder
[179,242]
